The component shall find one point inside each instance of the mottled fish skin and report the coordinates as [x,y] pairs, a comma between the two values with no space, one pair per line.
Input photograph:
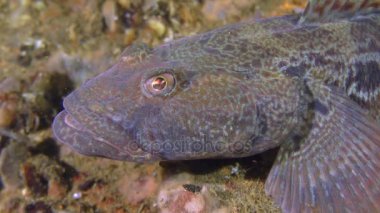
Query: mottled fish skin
[310,85]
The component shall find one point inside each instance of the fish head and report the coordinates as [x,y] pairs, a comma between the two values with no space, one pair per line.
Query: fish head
[160,110]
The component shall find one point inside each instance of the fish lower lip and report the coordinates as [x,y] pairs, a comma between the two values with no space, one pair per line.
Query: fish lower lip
[65,126]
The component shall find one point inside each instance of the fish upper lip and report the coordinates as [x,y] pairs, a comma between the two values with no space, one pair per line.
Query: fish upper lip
[71,122]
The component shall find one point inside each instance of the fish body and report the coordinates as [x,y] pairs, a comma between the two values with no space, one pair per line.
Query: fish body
[308,83]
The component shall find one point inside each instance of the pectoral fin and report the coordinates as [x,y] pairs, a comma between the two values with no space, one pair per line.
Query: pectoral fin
[336,167]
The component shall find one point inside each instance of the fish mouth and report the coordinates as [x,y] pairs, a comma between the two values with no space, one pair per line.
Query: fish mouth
[93,135]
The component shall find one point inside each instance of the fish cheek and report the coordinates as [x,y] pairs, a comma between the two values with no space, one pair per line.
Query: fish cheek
[154,131]
[215,119]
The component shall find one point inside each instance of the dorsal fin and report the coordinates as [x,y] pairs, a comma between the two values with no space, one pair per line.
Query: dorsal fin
[328,10]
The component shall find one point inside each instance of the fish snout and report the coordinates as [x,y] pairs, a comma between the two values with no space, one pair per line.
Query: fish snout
[85,127]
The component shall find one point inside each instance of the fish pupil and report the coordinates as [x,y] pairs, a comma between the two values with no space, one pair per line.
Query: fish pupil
[159,83]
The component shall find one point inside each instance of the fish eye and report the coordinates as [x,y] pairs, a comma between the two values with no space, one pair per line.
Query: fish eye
[160,84]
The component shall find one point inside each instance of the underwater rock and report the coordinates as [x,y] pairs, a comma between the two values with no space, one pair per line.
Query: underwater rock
[38,207]
[177,195]
[36,184]
[11,158]
[137,188]
[32,48]
[9,101]
[56,190]
[8,111]
[44,176]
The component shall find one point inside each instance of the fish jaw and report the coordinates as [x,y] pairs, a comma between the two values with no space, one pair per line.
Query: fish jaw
[90,134]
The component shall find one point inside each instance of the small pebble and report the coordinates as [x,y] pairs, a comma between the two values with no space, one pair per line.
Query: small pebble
[7,116]
[109,12]
[24,58]
[157,26]
[130,36]
[129,18]
[125,3]
[86,185]
[77,195]
[235,170]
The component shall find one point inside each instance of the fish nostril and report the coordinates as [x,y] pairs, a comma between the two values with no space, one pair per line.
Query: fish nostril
[128,125]
[117,118]
[96,107]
